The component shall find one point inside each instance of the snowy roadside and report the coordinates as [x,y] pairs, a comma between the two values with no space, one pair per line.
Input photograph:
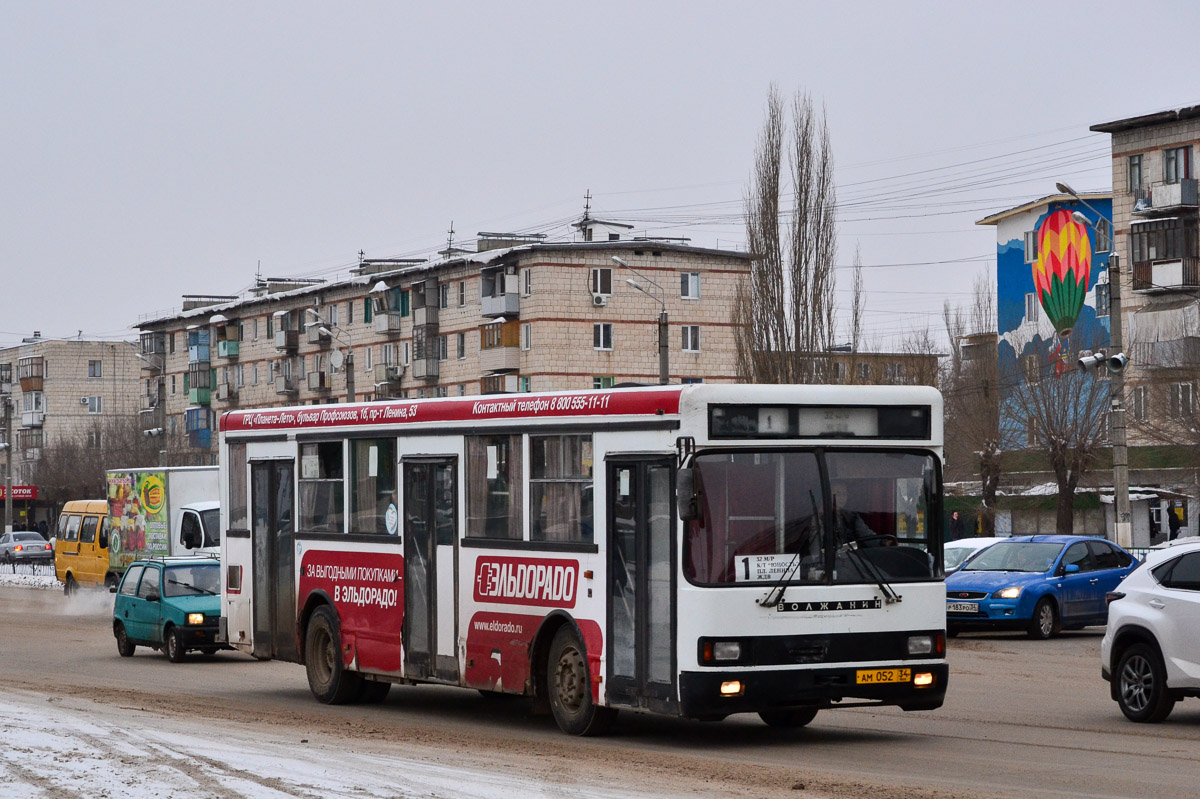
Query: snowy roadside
[30,580]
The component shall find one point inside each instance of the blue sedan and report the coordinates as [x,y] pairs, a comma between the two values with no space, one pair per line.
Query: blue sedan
[1039,583]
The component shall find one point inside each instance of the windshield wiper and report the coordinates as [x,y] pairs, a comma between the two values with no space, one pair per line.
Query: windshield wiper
[775,595]
[195,588]
[889,594]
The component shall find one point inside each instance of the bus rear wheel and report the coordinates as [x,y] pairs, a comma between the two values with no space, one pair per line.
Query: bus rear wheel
[570,687]
[327,676]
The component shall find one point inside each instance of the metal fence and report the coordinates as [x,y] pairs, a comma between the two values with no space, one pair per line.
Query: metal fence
[31,569]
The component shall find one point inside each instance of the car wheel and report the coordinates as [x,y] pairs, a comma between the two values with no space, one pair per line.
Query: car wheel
[110,583]
[570,687]
[70,587]
[327,676]
[792,718]
[125,647]
[1142,685]
[174,645]
[1045,622]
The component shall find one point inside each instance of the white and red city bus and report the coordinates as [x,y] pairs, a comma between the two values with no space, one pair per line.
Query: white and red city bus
[696,550]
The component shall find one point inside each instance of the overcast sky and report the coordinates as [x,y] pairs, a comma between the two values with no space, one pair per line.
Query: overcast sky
[152,150]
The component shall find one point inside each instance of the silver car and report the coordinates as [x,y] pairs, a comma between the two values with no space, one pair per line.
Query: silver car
[25,547]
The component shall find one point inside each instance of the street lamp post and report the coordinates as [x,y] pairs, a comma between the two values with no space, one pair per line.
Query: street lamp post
[335,331]
[8,483]
[664,347]
[1115,363]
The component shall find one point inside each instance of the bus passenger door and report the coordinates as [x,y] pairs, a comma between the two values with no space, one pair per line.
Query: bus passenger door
[274,536]
[430,541]
[641,630]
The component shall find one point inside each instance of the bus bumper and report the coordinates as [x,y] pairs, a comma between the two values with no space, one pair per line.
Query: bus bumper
[701,693]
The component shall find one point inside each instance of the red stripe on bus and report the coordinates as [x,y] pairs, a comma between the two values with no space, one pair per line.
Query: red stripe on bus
[480,408]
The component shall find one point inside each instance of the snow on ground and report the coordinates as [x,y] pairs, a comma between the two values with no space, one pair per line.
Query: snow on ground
[26,577]
[65,746]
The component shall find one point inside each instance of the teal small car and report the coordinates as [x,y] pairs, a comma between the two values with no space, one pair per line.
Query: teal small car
[172,604]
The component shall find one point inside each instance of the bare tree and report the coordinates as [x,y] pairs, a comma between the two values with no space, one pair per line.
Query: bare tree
[857,307]
[922,368]
[1064,417]
[785,313]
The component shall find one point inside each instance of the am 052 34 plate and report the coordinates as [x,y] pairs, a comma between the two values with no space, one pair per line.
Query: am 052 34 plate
[880,676]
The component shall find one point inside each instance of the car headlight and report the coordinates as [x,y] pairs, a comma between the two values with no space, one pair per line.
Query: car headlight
[1012,592]
[195,618]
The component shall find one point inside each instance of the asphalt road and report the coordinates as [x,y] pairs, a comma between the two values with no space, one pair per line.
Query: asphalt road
[1022,718]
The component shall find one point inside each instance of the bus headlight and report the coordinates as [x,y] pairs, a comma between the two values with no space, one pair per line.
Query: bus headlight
[920,644]
[1012,592]
[195,618]
[727,650]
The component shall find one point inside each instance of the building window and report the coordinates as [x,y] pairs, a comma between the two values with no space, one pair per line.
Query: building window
[239,376]
[95,439]
[560,488]
[94,369]
[172,340]
[462,346]
[602,382]
[32,401]
[526,335]
[602,335]
[494,476]
[1030,246]
[691,380]
[349,312]
[1138,405]
[602,280]
[462,389]
[95,404]
[1102,299]
[1103,236]
[389,354]
[442,352]
[526,282]
[462,293]
[253,378]
[407,353]
[525,384]
[1031,307]
[367,310]
[691,338]
[893,373]
[443,295]
[173,383]
[1182,405]
[1135,173]
[689,285]
[864,373]
[839,372]
[1177,164]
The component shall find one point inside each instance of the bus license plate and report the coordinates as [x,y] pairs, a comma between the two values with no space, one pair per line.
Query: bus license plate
[876,676]
[962,607]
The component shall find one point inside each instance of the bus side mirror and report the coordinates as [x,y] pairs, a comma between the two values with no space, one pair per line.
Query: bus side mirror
[685,495]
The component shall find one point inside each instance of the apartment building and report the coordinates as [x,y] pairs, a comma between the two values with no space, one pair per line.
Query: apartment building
[516,314]
[75,390]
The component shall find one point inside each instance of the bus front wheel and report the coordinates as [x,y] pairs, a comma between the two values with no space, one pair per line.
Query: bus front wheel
[570,687]
[327,676]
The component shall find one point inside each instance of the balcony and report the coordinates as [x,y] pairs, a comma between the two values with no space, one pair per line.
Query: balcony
[149,402]
[153,363]
[227,348]
[286,384]
[500,384]
[499,294]
[318,381]
[501,305]
[30,373]
[387,322]
[388,373]
[425,368]
[154,344]
[425,315]
[227,392]
[1166,275]
[199,424]
[33,418]
[317,336]
[199,395]
[499,347]
[6,378]
[1162,198]
[287,340]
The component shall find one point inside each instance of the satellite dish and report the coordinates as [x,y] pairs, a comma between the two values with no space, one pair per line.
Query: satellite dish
[336,359]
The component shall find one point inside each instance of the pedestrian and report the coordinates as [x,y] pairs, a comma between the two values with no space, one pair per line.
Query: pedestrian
[1173,523]
[957,528]
[43,528]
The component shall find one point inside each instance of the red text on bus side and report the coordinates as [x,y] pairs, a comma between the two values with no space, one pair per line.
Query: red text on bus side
[546,582]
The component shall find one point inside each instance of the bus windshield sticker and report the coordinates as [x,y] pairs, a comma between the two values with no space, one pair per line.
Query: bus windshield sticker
[762,568]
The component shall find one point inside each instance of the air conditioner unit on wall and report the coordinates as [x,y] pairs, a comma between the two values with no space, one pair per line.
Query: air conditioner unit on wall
[599,300]
[83,400]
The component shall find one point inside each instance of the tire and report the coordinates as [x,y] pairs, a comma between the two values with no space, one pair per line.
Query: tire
[110,583]
[328,679]
[125,647]
[790,719]
[570,687]
[1141,680]
[372,692]
[173,645]
[1045,622]
[70,587]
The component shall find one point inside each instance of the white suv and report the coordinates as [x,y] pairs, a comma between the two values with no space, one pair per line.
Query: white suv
[1151,649]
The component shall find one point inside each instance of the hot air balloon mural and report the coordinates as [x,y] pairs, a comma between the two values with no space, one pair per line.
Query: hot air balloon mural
[1060,275]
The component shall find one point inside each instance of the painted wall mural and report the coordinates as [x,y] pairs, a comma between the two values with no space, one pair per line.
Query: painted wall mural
[1060,276]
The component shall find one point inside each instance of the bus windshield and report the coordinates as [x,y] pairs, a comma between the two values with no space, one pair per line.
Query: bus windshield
[768,516]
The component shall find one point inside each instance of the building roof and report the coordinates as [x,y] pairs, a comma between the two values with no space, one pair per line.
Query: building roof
[998,217]
[482,259]
[1148,120]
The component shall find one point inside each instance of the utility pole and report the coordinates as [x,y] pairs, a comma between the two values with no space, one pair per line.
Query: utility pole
[8,448]
[349,374]
[664,349]
[1120,452]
